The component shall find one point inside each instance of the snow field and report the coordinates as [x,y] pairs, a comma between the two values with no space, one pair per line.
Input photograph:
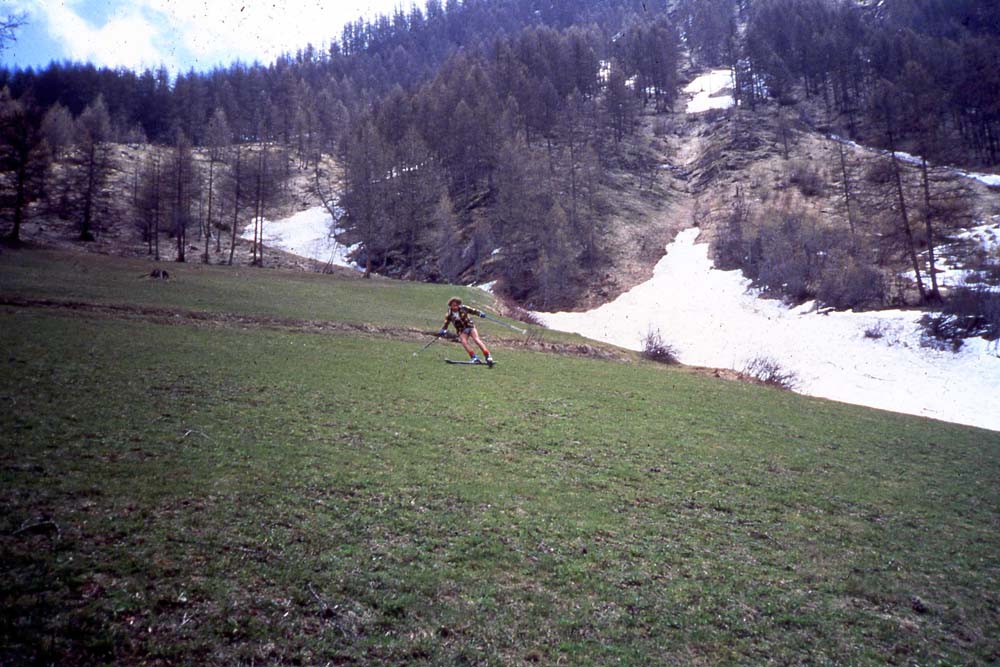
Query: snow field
[706,90]
[714,318]
[310,233]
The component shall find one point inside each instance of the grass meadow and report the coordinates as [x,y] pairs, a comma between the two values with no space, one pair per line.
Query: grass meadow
[220,493]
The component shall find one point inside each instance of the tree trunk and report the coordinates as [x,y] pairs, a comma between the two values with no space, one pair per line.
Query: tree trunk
[258,224]
[905,219]
[180,221]
[88,196]
[156,210]
[208,222]
[20,202]
[847,190]
[236,205]
[935,293]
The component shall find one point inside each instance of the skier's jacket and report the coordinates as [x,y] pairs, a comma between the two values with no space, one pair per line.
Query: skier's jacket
[461,319]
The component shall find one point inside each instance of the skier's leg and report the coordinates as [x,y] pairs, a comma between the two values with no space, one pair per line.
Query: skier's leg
[463,338]
[479,342]
[482,346]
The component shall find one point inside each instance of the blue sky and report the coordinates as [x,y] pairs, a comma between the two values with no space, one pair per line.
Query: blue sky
[180,34]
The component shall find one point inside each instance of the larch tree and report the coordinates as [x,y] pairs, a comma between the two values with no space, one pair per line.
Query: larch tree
[24,159]
[57,127]
[91,166]
[149,201]
[182,186]
[367,165]
[885,105]
[218,137]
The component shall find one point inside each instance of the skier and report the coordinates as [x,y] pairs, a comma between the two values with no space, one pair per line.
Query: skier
[458,315]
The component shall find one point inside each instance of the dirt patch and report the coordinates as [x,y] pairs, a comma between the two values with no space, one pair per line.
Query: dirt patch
[173,316]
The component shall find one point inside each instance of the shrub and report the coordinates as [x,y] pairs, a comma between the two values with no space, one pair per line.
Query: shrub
[968,312]
[879,172]
[876,331]
[807,178]
[526,316]
[656,349]
[851,285]
[766,370]
[789,253]
[941,332]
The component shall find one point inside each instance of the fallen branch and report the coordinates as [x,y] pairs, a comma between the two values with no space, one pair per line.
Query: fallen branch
[193,430]
[38,528]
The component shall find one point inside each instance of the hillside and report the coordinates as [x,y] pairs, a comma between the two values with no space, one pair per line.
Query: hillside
[196,473]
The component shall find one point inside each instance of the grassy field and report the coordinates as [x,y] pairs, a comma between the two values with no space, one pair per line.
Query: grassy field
[243,495]
[239,290]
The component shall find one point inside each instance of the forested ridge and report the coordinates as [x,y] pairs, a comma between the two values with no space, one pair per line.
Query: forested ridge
[485,139]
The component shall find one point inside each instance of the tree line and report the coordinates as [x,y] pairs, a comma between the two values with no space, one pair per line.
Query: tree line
[499,158]
[478,136]
[435,130]
[916,74]
[67,168]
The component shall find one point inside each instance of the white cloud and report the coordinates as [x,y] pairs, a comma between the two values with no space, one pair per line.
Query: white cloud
[199,33]
[224,30]
[127,39]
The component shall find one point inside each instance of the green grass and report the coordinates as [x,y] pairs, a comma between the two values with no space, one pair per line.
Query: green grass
[240,290]
[175,494]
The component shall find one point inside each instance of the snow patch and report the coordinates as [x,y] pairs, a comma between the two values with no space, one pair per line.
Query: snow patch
[487,287]
[990,180]
[715,318]
[311,233]
[710,91]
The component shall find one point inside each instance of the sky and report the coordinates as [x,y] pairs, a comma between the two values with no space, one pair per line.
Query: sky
[180,34]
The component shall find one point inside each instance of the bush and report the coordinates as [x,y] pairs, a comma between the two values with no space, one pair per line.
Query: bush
[516,312]
[876,331]
[851,285]
[766,370]
[789,253]
[807,178]
[968,312]
[655,349]
[879,172]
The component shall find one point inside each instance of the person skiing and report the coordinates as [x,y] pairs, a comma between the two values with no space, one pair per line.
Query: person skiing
[459,316]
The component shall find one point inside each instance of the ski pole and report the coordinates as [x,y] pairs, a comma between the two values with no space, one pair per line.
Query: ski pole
[433,340]
[509,326]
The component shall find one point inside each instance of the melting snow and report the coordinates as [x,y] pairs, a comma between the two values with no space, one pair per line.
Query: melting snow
[310,233]
[992,180]
[714,318]
[487,287]
[985,237]
[708,89]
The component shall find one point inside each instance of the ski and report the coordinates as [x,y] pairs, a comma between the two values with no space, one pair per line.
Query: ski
[469,363]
